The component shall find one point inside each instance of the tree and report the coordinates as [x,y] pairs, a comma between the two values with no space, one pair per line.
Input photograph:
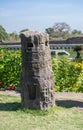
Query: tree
[61,27]
[59,30]
[49,30]
[78,49]
[14,36]
[75,31]
[3,34]
[23,30]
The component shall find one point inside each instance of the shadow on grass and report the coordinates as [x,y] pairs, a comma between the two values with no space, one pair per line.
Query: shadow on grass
[10,106]
[69,103]
[17,106]
[14,106]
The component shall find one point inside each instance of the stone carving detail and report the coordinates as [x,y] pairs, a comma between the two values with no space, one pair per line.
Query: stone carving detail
[37,80]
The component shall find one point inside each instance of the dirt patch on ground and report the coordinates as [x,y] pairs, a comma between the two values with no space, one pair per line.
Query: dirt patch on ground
[69,96]
[11,93]
[58,95]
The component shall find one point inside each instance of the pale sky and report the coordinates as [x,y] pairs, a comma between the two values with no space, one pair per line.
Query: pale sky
[16,15]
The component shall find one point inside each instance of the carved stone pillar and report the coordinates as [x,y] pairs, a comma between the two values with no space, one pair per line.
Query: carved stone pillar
[37,80]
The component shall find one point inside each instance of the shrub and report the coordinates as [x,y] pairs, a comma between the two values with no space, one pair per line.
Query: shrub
[68,75]
[10,67]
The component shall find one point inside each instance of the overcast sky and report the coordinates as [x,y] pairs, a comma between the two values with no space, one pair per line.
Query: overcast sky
[16,15]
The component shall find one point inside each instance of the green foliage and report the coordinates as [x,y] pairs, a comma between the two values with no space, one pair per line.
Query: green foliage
[59,30]
[76,32]
[10,67]
[49,30]
[14,36]
[24,30]
[78,49]
[62,30]
[3,34]
[68,75]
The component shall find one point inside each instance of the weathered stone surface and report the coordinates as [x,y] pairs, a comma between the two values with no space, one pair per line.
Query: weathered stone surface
[37,81]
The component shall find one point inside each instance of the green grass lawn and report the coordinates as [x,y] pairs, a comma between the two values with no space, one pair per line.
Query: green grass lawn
[62,117]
